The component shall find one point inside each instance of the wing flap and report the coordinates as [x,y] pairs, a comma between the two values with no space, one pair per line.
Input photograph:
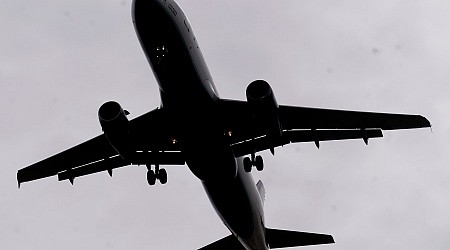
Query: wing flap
[332,135]
[293,136]
[95,167]
[140,158]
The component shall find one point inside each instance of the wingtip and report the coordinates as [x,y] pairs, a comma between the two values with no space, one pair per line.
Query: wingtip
[18,179]
[426,122]
[332,239]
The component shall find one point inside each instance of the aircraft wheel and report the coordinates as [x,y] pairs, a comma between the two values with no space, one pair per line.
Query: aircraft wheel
[259,163]
[151,177]
[162,176]
[247,165]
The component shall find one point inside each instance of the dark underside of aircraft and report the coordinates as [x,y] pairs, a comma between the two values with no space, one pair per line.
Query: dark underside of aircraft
[218,139]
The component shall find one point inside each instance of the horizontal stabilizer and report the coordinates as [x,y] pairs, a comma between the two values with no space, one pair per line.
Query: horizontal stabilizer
[281,238]
[228,243]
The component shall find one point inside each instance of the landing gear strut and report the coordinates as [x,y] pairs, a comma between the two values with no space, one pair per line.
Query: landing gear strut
[254,161]
[160,174]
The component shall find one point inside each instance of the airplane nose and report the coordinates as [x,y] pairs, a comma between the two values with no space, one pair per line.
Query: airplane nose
[148,12]
[144,7]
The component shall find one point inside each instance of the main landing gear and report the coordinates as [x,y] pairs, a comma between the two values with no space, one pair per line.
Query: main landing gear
[254,161]
[160,174]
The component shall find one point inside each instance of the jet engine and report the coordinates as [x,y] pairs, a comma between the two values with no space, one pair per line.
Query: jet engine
[264,107]
[115,125]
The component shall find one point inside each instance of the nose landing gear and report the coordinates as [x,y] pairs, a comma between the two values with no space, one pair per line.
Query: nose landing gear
[254,161]
[160,174]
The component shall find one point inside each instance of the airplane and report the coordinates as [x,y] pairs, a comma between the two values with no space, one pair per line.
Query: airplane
[218,139]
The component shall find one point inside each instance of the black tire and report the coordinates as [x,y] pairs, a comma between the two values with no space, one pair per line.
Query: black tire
[259,163]
[247,165]
[162,176]
[151,177]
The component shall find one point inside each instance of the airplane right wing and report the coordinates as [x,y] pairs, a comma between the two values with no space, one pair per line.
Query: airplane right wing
[151,140]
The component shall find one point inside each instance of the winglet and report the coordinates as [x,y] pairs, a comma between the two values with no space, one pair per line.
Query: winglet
[18,181]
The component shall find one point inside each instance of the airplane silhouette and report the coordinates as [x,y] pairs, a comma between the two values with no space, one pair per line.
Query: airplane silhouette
[216,138]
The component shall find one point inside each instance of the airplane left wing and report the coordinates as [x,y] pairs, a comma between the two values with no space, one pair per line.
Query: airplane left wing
[303,124]
[151,140]
[307,118]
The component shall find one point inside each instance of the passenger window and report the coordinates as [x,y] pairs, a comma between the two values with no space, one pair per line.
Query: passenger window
[185,24]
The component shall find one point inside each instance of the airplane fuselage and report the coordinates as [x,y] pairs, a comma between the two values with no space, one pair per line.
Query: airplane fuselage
[190,97]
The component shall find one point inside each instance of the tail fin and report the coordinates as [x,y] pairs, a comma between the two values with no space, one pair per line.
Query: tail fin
[281,238]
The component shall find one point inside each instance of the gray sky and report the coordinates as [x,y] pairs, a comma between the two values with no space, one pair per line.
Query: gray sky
[60,60]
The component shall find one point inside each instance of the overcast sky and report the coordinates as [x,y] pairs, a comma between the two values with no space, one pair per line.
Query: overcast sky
[60,60]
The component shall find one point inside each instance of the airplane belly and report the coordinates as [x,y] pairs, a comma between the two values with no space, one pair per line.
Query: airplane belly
[209,156]
[239,206]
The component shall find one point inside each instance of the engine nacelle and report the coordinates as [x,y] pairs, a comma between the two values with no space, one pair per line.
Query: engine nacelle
[115,125]
[264,107]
